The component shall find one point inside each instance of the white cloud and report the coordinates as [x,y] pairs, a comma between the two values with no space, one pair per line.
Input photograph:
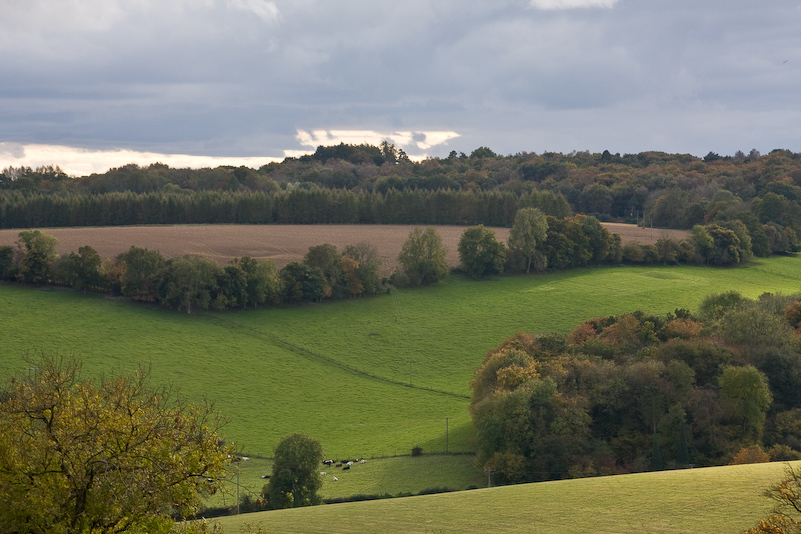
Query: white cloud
[552,5]
[407,140]
[82,162]
[267,11]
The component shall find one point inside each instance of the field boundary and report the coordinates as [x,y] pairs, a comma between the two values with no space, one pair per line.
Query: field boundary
[321,357]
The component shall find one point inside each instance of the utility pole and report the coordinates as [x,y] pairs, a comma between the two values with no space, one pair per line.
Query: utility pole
[446,435]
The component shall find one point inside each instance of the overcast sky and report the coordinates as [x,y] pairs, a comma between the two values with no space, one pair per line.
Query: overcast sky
[88,84]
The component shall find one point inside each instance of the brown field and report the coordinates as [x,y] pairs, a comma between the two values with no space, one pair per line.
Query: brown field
[280,243]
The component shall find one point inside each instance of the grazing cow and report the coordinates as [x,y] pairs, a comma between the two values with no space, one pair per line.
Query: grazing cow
[350,463]
[322,473]
[334,479]
[265,476]
[363,461]
[346,467]
[339,465]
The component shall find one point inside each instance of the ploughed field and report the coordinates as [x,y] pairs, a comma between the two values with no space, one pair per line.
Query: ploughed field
[280,243]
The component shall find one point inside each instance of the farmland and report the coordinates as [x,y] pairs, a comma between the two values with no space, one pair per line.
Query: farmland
[369,377]
[278,243]
[341,371]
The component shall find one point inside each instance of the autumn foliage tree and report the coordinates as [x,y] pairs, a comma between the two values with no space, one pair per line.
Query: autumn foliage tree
[787,496]
[113,455]
[639,391]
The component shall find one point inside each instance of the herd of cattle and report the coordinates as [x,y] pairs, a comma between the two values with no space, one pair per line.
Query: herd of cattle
[346,464]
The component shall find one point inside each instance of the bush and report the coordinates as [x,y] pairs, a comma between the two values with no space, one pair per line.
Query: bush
[417,450]
[783,453]
[750,455]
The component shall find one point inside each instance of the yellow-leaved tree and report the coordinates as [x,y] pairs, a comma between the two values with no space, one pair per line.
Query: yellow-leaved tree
[112,455]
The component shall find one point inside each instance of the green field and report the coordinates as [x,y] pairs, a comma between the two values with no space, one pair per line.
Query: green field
[340,371]
[712,500]
[394,476]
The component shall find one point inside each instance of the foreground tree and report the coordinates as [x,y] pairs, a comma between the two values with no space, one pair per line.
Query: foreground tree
[116,455]
[527,234]
[422,257]
[787,495]
[295,478]
[480,253]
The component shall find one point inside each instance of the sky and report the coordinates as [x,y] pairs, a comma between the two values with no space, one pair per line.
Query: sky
[93,84]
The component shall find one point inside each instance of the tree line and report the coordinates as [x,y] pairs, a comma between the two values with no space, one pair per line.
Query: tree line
[640,392]
[193,282]
[293,206]
[537,242]
[651,188]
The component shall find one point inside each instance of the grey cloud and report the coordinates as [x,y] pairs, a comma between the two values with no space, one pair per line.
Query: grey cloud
[15,150]
[242,76]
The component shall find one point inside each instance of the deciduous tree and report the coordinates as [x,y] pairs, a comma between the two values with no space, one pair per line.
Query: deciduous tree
[302,283]
[38,252]
[113,455]
[480,253]
[368,263]
[82,270]
[747,397]
[422,257]
[527,234]
[138,279]
[189,282]
[787,496]
[295,479]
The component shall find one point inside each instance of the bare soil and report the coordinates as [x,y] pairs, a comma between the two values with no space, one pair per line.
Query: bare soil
[280,243]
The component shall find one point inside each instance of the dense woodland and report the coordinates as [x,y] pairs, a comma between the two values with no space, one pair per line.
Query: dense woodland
[368,184]
[638,392]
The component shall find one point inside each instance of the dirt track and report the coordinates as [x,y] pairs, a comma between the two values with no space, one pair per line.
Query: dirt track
[279,243]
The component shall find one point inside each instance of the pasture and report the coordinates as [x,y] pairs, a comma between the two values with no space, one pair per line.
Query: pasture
[710,500]
[372,377]
[341,371]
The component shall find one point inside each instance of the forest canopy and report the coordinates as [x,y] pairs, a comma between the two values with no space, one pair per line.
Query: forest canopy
[641,392]
[368,184]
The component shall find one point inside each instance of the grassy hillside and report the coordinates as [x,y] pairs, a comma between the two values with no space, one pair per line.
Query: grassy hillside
[245,361]
[447,329]
[712,500]
[380,476]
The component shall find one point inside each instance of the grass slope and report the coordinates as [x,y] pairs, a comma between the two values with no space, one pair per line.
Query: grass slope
[393,476]
[312,369]
[712,500]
